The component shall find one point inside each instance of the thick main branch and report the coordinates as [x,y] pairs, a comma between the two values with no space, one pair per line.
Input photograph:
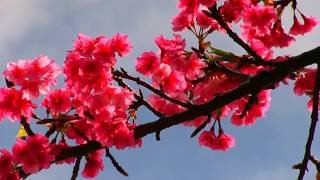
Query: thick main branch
[263,80]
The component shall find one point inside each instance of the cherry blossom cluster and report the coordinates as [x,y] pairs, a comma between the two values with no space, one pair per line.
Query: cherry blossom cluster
[261,23]
[262,28]
[174,70]
[89,108]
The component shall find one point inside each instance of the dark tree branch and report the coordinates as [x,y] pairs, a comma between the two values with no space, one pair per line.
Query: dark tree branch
[255,84]
[26,126]
[76,168]
[201,127]
[61,120]
[313,125]
[315,162]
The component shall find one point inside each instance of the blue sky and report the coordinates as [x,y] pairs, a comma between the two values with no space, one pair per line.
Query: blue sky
[266,150]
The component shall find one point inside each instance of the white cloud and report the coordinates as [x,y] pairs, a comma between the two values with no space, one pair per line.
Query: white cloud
[17,18]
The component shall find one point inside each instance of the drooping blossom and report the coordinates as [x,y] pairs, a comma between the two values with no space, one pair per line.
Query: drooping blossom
[94,164]
[300,29]
[7,166]
[221,142]
[34,76]
[34,153]
[57,101]
[13,104]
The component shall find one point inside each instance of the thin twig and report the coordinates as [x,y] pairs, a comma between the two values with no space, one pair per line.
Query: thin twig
[76,168]
[202,126]
[137,80]
[138,97]
[115,163]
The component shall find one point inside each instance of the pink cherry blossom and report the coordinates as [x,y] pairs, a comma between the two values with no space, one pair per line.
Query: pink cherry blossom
[188,6]
[300,29]
[207,3]
[84,44]
[120,44]
[259,17]
[233,9]
[304,83]
[181,21]
[161,73]
[57,101]
[170,45]
[174,82]
[104,51]
[7,166]
[34,76]
[146,63]
[34,153]
[94,164]
[257,110]
[13,104]
[223,142]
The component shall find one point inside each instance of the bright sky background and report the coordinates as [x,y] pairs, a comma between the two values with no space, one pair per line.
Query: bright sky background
[264,151]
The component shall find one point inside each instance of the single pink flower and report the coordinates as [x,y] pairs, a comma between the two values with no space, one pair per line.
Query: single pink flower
[93,165]
[104,51]
[188,6]
[300,29]
[170,45]
[161,73]
[181,21]
[84,44]
[7,166]
[120,44]
[174,82]
[13,104]
[34,153]
[57,101]
[146,63]
[203,20]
